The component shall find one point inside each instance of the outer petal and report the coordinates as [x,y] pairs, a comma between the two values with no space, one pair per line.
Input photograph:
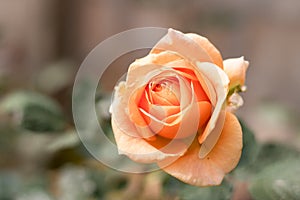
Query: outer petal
[182,66]
[144,151]
[236,69]
[221,160]
[213,137]
[125,105]
[212,51]
[218,79]
[119,114]
[183,45]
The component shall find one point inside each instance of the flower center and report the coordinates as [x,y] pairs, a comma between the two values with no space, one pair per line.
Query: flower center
[157,87]
[164,91]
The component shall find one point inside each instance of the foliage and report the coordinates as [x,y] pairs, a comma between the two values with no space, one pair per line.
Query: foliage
[33,111]
[278,180]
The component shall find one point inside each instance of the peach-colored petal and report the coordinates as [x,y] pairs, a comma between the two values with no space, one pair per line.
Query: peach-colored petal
[207,86]
[192,170]
[236,69]
[164,90]
[134,77]
[161,112]
[219,81]
[201,95]
[133,108]
[185,72]
[203,87]
[227,151]
[187,93]
[141,150]
[191,71]
[161,58]
[185,127]
[129,100]
[205,112]
[124,107]
[221,160]
[134,96]
[122,119]
[178,125]
[118,112]
[183,67]
[159,98]
[212,51]
[170,59]
[213,137]
[183,45]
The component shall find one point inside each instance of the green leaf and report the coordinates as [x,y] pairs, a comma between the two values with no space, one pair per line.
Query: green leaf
[10,184]
[221,192]
[279,180]
[33,111]
[188,192]
[266,155]
[249,154]
[250,147]
[270,153]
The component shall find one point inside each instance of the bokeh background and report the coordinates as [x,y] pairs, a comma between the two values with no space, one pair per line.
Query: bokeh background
[42,44]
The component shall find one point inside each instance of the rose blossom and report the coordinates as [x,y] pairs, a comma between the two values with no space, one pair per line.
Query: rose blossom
[174,109]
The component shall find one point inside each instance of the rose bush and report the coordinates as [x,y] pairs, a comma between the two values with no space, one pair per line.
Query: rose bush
[175,109]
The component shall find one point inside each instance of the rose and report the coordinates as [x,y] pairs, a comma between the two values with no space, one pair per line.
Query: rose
[174,109]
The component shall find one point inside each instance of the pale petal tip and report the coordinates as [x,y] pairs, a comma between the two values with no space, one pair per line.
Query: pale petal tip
[202,152]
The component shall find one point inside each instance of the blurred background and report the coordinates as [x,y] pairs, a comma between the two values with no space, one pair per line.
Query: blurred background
[42,44]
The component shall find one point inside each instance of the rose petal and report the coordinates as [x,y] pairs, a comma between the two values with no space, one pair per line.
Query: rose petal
[201,95]
[212,51]
[182,127]
[160,112]
[236,69]
[183,45]
[123,121]
[118,112]
[202,86]
[172,60]
[185,72]
[205,112]
[182,66]
[140,150]
[207,87]
[221,160]
[134,92]
[190,169]
[219,80]
[130,98]
[178,125]
[133,106]
[213,137]
[164,89]
[161,58]
[130,91]
[227,151]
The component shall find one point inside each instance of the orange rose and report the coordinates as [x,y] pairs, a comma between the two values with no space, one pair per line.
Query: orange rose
[173,110]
